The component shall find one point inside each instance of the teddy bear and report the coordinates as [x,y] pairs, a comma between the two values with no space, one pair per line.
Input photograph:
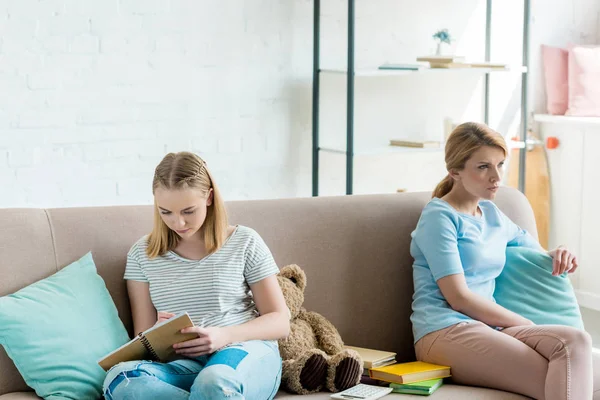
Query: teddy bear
[313,354]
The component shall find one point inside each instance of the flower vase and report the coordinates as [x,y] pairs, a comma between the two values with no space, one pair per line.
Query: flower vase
[438,50]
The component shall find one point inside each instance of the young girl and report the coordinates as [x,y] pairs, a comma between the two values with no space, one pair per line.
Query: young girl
[222,275]
[459,249]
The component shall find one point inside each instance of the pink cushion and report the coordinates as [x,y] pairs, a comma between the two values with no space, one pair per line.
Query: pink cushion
[555,64]
[584,81]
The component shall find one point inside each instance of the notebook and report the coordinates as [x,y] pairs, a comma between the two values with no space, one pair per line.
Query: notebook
[424,388]
[409,372]
[374,358]
[154,344]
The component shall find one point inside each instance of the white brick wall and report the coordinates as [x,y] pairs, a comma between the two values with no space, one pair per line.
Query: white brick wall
[95,92]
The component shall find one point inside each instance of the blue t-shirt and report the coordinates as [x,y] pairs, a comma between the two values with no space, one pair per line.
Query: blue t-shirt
[448,242]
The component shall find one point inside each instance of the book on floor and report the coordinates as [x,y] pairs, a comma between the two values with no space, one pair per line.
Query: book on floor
[374,358]
[409,372]
[423,388]
[155,343]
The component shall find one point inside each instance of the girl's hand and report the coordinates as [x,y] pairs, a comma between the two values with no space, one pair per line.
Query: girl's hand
[163,316]
[209,340]
[564,261]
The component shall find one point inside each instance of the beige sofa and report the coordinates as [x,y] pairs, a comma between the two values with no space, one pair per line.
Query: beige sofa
[354,249]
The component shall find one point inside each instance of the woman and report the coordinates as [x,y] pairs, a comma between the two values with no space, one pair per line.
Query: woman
[222,275]
[459,249]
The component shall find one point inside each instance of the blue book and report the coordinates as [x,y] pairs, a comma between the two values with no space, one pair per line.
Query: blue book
[405,67]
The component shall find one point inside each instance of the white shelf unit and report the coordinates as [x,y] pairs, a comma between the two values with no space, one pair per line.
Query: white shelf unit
[399,72]
[350,74]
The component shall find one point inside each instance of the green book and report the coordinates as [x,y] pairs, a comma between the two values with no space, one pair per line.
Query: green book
[406,67]
[424,388]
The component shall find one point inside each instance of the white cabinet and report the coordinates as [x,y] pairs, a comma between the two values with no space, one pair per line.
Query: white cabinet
[574,169]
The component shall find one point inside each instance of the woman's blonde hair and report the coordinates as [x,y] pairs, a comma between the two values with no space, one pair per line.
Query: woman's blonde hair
[464,140]
[185,170]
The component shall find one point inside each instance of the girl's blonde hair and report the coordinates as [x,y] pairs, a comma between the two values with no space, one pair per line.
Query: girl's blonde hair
[185,170]
[464,140]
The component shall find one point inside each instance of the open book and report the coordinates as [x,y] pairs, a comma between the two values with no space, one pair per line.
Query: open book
[154,344]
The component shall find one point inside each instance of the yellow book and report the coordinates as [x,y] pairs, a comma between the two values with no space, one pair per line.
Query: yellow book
[416,371]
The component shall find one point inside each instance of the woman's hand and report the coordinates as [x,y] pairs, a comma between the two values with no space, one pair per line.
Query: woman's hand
[209,340]
[564,261]
[163,316]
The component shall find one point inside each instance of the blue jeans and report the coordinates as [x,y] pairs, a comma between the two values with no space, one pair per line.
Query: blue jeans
[247,370]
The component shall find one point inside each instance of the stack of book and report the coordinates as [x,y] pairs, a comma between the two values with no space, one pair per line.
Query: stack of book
[381,368]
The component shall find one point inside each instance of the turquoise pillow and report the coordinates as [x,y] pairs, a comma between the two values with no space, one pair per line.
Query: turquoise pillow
[55,331]
[527,287]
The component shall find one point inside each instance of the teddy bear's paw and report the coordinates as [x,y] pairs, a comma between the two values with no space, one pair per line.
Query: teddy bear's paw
[347,374]
[314,373]
[344,371]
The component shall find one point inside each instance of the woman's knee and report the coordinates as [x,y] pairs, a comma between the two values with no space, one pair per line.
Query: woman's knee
[578,339]
[119,369]
[575,342]
[216,383]
[121,372]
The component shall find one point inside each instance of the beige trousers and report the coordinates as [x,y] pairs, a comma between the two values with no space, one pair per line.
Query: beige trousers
[548,362]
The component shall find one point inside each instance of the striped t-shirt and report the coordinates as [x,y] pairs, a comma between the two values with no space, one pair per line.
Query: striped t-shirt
[214,290]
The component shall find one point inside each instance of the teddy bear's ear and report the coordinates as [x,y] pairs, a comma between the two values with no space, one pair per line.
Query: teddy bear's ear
[295,274]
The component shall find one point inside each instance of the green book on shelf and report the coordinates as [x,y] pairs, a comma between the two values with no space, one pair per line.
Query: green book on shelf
[423,388]
[406,67]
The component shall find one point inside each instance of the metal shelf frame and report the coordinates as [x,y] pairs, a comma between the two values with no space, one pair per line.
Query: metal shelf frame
[351,72]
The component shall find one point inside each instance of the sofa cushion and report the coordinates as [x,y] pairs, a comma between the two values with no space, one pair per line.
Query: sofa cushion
[56,329]
[556,78]
[19,396]
[584,85]
[527,287]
